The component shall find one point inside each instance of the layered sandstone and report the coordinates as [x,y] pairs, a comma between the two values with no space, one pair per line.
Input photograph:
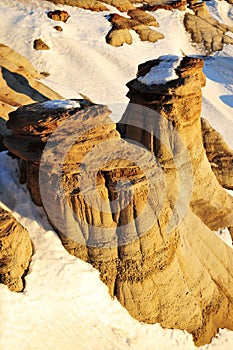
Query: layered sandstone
[129,213]
[177,106]
[15,251]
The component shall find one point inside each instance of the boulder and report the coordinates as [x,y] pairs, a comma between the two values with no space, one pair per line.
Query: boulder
[143,17]
[15,251]
[139,22]
[58,15]
[148,34]
[39,44]
[118,37]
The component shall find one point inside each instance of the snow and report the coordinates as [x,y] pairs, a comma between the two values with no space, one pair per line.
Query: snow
[163,72]
[67,104]
[64,304]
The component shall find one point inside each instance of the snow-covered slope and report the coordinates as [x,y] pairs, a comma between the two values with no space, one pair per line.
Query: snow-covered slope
[64,305]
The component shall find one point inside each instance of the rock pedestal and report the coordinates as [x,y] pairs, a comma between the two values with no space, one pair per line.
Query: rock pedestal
[172,113]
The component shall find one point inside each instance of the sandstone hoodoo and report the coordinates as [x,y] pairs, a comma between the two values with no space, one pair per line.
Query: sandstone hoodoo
[15,251]
[140,210]
[171,87]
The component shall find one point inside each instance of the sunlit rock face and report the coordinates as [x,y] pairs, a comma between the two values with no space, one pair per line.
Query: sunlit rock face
[219,154]
[137,200]
[173,103]
[15,251]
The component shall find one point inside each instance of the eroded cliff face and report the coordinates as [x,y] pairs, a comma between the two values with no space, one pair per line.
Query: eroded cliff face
[137,209]
[219,154]
[15,251]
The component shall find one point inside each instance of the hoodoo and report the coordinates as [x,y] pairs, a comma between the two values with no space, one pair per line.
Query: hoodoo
[137,201]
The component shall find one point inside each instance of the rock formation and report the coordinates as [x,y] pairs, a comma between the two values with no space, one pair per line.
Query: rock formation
[39,44]
[15,251]
[219,154]
[127,206]
[139,21]
[58,15]
[204,29]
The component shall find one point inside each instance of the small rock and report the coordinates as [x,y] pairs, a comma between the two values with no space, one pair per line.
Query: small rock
[58,28]
[38,44]
[58,15]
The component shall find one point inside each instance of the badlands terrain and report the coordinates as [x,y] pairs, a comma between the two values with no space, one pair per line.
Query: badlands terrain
[138,95]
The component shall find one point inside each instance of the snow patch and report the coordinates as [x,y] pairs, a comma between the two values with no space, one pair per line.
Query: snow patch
[66,104]
[163,72]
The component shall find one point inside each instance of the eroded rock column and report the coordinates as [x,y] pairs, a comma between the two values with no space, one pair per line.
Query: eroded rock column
[170,125]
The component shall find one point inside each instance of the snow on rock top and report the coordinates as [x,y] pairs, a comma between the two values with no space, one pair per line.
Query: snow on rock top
[163,72]
[61,104]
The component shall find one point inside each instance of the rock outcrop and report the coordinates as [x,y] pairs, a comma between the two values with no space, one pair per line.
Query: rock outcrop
[58,15]
[219,154]
[139,21]
[205,30]
[15,251]
[127,206]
